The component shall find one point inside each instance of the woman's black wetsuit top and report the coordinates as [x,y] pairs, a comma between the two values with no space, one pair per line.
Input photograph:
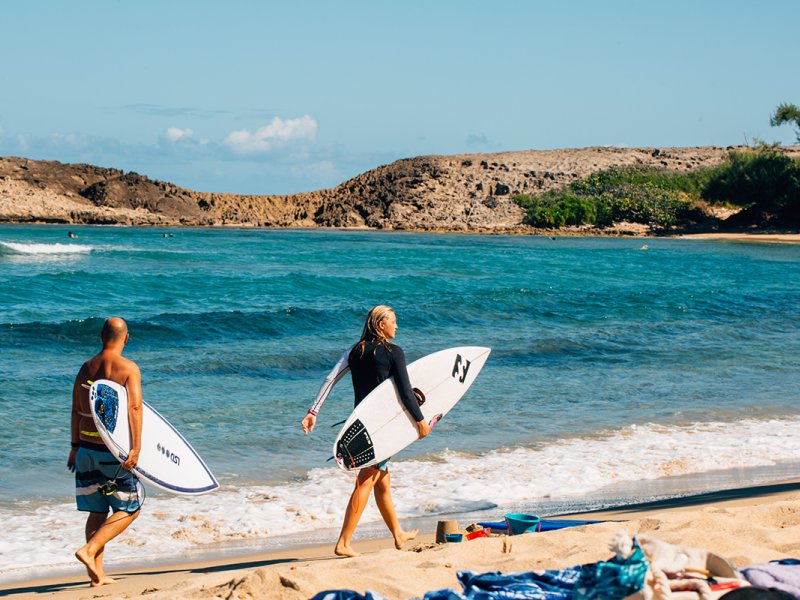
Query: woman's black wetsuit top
[378,363]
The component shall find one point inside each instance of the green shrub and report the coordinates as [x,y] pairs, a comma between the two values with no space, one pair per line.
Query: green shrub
[566,209]
[691,183]
[643,203]
[635,195]
[765,177]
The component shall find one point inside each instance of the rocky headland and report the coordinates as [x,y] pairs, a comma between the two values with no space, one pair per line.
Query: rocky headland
[467,192]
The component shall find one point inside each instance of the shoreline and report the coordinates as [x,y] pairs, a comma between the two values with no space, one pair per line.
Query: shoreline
[774,237]
[688,514]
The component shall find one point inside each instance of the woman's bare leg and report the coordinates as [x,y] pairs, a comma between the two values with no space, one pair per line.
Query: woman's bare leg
[383,497]
[365,480]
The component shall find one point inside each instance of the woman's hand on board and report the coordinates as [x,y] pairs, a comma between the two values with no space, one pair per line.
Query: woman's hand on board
[423,429]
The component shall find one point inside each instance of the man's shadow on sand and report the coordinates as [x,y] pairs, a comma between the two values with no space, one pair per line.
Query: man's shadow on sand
[74,585]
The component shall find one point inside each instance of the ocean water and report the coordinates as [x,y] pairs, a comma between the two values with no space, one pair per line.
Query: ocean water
[617,374]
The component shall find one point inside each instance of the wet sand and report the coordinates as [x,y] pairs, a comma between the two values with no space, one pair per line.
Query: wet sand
[780,238]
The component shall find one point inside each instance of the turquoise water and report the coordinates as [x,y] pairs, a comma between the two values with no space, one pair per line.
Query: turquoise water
[594,342]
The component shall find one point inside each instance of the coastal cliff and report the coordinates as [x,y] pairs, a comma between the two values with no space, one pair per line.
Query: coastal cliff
[468,192]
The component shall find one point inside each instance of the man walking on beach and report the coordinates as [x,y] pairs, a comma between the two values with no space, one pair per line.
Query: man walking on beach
[101,483]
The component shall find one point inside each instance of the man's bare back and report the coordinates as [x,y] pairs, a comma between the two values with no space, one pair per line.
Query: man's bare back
[106,365]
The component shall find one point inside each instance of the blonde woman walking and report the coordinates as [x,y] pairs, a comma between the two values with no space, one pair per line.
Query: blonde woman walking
[372,360]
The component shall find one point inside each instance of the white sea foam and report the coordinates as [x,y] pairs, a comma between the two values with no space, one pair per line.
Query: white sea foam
[44,249]
[171,527]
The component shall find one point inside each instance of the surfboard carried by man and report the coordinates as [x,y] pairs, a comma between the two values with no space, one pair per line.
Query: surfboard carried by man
[101,482]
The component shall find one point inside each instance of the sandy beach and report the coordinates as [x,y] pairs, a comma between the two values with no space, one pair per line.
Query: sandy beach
[747,526]
[780,238]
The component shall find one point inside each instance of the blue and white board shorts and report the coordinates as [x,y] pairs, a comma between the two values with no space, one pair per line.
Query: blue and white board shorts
[94,466]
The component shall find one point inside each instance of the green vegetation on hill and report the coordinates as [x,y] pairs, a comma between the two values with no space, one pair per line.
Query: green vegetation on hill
[764,182]
[766,178]
[633,194]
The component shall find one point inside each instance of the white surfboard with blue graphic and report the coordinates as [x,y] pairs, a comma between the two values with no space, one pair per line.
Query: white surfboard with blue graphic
[166,459]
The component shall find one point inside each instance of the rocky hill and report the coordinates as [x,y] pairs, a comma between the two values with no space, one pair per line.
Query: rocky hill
[469,192]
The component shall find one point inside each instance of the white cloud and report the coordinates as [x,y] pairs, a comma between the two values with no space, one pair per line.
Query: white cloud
[277,132]
[174,134]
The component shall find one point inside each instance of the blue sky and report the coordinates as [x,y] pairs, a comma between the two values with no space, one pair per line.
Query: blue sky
[279,97]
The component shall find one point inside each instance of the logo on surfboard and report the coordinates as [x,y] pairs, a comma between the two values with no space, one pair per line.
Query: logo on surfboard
[170,455]
[459,370]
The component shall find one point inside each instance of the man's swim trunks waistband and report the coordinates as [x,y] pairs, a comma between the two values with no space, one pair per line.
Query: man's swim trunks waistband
[93,446]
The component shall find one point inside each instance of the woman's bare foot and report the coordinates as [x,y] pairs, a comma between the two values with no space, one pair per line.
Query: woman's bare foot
[403,537]
[104,580]
[343,549]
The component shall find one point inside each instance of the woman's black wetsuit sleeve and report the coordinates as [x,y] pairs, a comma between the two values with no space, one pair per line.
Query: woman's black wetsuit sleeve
[407,395]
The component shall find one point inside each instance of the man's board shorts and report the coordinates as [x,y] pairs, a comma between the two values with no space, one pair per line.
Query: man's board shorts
[96,466]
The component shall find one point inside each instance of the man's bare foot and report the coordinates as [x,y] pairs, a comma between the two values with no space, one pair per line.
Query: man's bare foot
[344,550]
[104,580]
[88,561]
[403,537]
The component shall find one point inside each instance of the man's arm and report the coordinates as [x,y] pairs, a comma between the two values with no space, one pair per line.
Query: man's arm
[134,388]
[75,419]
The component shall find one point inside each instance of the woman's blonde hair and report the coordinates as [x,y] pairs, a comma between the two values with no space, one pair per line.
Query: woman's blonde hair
[371,332]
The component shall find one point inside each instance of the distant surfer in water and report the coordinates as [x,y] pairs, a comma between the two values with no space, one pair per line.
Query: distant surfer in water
[371,361]
[101,483]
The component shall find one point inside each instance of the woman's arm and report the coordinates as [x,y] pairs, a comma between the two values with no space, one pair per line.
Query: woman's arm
[400,372]
[339,370]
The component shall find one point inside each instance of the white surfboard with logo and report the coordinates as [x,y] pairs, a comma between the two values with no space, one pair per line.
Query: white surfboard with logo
[166,459]
[380,426]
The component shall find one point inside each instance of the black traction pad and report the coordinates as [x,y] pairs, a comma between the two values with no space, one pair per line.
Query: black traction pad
[355,448]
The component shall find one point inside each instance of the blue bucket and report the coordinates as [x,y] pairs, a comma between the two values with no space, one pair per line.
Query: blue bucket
[521,523]
[453,537]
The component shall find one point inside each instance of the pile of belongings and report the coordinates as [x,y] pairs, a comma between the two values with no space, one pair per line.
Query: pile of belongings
[642,568]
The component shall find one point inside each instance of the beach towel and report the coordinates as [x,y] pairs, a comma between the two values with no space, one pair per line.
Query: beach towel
[618,577]
[554,584]
[777,574]
[347,595]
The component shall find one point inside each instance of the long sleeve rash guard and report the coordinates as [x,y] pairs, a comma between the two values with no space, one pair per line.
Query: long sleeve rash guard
[377,363]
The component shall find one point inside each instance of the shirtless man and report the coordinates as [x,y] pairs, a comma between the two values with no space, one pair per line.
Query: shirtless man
[93,463]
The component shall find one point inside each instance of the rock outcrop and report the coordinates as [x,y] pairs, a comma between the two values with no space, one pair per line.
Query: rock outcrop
[470,192]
